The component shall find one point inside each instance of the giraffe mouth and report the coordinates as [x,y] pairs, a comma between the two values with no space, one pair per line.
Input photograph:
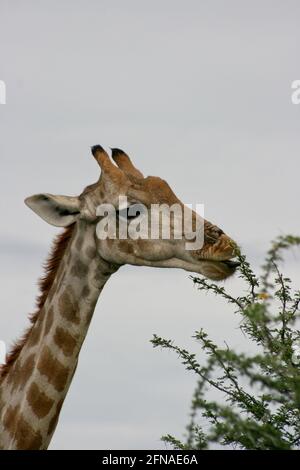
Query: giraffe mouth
[218,269]
[231,263]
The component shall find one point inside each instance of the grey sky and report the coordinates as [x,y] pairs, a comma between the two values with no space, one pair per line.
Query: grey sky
[198,93]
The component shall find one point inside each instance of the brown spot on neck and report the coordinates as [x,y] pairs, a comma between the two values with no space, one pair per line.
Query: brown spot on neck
[79,270]
[25,437]
[65,341]
[67,308]
[85,291]
[56,373]
[54,419]
[38,401]
[25,370]
[91,252]
[10,419]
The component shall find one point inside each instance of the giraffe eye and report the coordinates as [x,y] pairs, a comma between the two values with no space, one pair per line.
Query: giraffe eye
[130,213]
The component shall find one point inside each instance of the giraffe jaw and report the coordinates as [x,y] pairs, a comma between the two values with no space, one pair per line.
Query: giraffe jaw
[214,270]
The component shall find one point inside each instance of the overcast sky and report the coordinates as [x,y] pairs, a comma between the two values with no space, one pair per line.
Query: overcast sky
[197,92]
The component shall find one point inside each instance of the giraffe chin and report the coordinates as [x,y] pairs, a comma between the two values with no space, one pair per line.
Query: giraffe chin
[211,269]
[217,270]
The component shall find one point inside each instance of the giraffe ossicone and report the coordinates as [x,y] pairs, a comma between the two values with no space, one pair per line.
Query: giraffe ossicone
[38,371]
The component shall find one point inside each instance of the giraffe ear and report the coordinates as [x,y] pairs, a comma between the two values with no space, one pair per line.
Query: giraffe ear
[59,211]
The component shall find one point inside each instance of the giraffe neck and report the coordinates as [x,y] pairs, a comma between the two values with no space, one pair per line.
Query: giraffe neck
[34,389]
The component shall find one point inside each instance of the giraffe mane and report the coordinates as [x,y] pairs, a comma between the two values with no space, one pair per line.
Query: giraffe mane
[45,283]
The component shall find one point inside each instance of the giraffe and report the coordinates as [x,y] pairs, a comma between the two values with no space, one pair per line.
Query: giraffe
[38,372]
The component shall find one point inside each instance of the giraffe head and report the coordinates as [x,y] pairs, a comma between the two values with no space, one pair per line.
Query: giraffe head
[121,182]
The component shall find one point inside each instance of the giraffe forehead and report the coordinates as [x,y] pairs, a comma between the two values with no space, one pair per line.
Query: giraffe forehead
[155,190]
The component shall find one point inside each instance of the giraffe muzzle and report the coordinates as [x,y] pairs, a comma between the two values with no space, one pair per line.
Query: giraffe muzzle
[232,264]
